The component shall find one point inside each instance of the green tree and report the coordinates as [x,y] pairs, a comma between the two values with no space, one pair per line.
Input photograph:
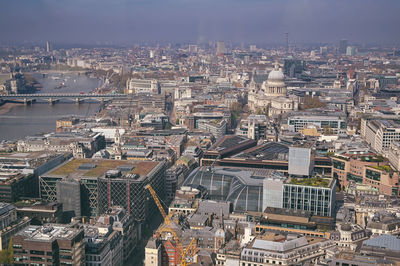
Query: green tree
[266,113]
[312,102]
[259,111]
[7,255]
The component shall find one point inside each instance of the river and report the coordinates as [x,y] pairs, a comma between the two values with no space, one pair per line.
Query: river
[22,121]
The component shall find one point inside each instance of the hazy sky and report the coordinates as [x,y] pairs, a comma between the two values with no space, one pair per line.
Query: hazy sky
[249,21]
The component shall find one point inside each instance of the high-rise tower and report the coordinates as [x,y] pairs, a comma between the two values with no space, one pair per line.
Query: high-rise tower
[48,47]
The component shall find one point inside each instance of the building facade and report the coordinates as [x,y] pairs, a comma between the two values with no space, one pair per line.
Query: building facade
[48,245]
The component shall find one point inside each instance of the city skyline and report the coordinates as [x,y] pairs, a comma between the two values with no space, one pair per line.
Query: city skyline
[307,21]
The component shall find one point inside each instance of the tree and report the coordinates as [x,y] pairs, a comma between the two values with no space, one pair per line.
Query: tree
[259,111]
[312,102]
[7,255]
[236,109]
[266,113]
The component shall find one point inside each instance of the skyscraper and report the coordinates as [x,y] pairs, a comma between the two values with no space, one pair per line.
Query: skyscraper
[48,48]
[343,46]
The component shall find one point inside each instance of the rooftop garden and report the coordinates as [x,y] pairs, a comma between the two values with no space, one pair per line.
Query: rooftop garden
[313,182]
[101,166]
[385,168]
[378,158]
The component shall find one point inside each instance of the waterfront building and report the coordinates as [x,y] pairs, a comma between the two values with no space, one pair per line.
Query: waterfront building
[81,145]
[141,86]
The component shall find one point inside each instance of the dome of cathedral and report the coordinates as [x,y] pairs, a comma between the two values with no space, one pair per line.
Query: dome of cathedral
[276,75]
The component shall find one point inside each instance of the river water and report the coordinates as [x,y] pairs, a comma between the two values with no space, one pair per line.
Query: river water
[40,117]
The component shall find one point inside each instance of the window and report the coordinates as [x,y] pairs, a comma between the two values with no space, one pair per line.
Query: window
[37,252]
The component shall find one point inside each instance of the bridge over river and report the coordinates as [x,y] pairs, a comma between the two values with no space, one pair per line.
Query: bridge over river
[55,97]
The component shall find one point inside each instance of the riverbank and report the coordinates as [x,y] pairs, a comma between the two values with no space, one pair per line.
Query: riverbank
[6,107]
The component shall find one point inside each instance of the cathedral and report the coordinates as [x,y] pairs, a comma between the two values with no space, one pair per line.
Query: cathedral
[272,97]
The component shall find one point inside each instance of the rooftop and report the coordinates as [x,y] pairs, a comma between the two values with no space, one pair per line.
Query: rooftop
[384,241]
[48,232]
[267,151]
[312,182]
[98,167]
[26,159]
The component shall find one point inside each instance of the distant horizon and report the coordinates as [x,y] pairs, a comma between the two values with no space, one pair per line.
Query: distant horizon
[154,44]
[200,21]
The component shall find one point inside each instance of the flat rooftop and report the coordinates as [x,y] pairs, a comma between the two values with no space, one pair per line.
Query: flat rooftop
[268,151]
[27,159]
[98,167]
[48,232]
[311,182]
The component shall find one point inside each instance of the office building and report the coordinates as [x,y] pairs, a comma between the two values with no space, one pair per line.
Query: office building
[103,246]
[252,189]
[216,127]
[51,244]
[343,46]
[315,195]
[300,161]
[69,195]
[9,223]
[121,221]
[143,86]
[274,248]
[351,50]
[333,123]
[81,145]
[225,147]
[394,155]
[293,67]
[153,252]
[380,134]
[13,186]
[104,183]
[129,190]
[41,212]
[19,172]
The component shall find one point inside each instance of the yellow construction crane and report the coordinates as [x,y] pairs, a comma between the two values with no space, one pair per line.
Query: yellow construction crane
[169,228]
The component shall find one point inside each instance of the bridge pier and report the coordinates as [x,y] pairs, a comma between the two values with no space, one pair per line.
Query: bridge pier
[28,101]
[52,101]
[77,100]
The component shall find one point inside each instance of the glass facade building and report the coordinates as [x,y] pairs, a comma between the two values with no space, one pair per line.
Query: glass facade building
[318,201]
[240,186]
[336,123]
[257,189]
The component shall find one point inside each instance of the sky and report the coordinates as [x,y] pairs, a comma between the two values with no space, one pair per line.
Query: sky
[198,21]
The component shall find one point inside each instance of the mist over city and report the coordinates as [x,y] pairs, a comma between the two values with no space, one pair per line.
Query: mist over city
[199,132]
